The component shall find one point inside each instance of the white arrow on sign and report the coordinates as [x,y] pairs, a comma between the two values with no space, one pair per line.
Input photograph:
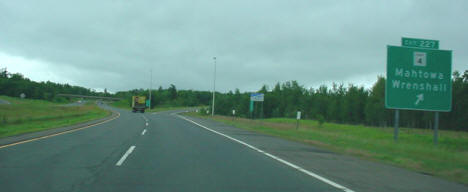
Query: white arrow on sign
[420,98]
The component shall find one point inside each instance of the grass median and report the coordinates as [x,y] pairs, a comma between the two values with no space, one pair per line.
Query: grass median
[123,104]
[27,115]
[414,150]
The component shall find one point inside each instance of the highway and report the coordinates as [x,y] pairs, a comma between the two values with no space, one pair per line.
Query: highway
[169,152]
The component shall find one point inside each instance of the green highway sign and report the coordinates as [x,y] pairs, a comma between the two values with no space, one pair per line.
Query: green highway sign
[418,79]
[420,43]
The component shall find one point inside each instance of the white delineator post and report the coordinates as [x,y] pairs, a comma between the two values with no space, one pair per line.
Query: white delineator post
[298,118]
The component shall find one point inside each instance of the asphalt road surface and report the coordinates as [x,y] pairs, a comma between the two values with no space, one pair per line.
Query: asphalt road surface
[167,152]
[170,154]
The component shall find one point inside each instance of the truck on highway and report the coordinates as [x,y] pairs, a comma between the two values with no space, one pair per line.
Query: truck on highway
[138,103]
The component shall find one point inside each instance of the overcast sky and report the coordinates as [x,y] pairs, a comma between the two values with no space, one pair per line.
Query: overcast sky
[114,44]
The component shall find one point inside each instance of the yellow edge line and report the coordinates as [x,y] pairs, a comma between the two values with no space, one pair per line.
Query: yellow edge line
[60,133]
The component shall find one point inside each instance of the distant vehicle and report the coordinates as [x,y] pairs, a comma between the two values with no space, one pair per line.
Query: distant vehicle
[138,103]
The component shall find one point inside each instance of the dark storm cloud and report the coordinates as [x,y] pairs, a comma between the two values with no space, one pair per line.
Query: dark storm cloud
[114,44]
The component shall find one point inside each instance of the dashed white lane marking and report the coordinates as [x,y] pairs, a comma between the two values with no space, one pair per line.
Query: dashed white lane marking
[130,150]
[144,131]
[323,179]
[146,119]
[146,123]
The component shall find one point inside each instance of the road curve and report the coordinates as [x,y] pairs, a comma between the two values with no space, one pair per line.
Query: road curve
[146,152]
[167,152]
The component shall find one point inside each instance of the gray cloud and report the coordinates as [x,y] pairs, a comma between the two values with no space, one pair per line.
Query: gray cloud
[113,44]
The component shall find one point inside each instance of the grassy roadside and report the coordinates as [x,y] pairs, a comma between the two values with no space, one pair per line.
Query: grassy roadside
[27,115]
[123,104]
[414,149]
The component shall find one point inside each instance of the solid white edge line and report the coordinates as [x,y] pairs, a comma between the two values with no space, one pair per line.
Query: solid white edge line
[122,159]
[323,179]
[144,131]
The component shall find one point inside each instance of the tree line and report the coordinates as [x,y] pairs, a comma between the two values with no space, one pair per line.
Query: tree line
[15,84]
[340,104]
[169,97]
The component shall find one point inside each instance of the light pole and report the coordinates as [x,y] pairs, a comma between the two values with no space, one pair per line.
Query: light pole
[151,86]
[214,88]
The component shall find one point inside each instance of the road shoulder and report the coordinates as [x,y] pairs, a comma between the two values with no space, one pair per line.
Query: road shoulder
[357,174]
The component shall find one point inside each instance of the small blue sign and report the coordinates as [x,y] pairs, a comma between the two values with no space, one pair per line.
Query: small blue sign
[257,96]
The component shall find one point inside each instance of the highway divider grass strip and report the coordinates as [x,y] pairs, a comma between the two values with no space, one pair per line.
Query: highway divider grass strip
[25,116]
[414,150]
[123,104]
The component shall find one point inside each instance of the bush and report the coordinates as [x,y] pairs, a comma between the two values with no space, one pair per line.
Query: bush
[59,99]
[204,111]
[18,121]
[320,119]
[4,119]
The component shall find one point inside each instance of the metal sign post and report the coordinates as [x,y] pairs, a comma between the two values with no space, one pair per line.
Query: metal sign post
[397,119]
[251,108]
[436,128]
[261,112]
